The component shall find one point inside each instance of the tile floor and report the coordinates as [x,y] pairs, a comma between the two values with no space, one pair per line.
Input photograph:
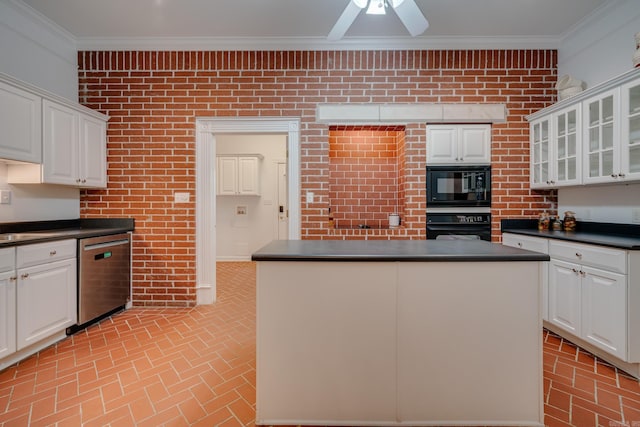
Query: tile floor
[196,367]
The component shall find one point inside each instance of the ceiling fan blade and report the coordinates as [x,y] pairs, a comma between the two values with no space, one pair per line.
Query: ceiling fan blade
[412,18]
[344,22]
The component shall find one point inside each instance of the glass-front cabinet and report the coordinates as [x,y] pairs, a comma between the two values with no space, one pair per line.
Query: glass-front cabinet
[590,138]
[630,131]
[540,153]
[567,144]
[601,128]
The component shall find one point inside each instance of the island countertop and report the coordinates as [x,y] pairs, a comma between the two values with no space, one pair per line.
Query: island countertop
[393,250]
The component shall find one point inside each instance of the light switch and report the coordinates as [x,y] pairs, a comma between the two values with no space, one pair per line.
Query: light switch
[5,197]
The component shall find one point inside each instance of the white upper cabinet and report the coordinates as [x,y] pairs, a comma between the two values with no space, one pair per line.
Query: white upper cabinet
[591,138]
[458,144]
[238,175]
[555,149]
[602,131]
[47,139]
[74,150]
[20,121]
[630,130]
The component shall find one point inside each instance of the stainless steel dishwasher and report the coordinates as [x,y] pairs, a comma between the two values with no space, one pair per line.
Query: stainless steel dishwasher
[104,272]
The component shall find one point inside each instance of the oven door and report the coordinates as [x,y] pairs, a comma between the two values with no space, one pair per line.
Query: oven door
[459,226]
[458,186]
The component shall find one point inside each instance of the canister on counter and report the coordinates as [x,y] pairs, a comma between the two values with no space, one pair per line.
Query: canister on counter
[569,221]
[543,221]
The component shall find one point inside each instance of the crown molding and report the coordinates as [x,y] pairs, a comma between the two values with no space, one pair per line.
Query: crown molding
[312,43]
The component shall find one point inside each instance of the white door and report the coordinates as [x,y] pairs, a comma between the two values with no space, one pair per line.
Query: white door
[604,310]
[283,205]
[565,295]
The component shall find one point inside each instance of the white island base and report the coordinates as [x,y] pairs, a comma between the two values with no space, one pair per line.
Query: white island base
[399,343]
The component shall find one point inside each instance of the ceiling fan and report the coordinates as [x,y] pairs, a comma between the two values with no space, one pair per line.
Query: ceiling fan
[407,11]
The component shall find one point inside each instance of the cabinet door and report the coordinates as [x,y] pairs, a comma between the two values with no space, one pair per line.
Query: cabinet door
[474,144]
[540,153]
[442,144]
[601,131]
[46,300]
[604,312]
[7,313]
[93,152]
[60,144]
[227,176]
[20,121]
[248,182]
[565,295]
[566,152]
[630,131]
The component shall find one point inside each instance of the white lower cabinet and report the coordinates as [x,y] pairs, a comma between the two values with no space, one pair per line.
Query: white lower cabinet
[590,302]
[7,302]
[37,297]
[46,300]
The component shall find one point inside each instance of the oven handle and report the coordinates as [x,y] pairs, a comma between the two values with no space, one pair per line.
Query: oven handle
[458,228]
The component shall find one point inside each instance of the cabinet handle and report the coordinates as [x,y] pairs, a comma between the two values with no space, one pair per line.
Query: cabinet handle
[52,253]
[613,175]
[78,180]
[461,159]
[574,270]
[24,275]
[13,279]
[621,175]
[457,159]
[578,254]
[84,180]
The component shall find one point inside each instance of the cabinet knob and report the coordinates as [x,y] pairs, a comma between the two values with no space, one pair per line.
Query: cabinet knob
[457,159]
[461,159]
[13,279]
[24,275]
[575,271]
[84,180]
[582,273]
[78,180]
[621,175]
[578,254]
[613,175]
[519,244]
[52,253]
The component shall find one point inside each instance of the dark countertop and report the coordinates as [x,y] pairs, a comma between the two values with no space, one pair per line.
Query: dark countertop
[65,229]
[392,250]
[621,236]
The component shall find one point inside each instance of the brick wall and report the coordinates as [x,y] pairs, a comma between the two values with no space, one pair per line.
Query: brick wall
[153,99]
[363,175]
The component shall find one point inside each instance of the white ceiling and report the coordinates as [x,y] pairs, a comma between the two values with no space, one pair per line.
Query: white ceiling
[112,24]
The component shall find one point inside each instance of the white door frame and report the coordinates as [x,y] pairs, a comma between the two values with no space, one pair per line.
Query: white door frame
[206,130]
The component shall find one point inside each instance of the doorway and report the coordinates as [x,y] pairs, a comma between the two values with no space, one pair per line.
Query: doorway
[206,130]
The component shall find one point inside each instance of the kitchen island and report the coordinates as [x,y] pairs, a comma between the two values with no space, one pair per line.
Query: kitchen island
[398,333]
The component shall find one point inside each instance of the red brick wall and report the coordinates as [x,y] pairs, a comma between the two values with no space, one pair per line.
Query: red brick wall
[153,99]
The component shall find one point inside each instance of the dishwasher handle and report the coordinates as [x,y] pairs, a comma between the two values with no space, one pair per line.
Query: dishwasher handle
[106,244]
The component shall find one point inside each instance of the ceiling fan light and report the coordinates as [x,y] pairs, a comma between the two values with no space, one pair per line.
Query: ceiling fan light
[376,7]
[361,3]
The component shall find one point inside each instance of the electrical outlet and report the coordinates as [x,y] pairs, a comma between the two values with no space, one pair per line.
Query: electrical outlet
[181,197]
[635,216]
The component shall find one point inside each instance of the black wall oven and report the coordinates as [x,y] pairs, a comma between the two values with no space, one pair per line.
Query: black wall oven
[458,186]
[459,202]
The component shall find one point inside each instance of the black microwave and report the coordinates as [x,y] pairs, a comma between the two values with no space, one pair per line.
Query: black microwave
[458,186]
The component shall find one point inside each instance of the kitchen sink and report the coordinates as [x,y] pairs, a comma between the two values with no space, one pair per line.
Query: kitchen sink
[9,237]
